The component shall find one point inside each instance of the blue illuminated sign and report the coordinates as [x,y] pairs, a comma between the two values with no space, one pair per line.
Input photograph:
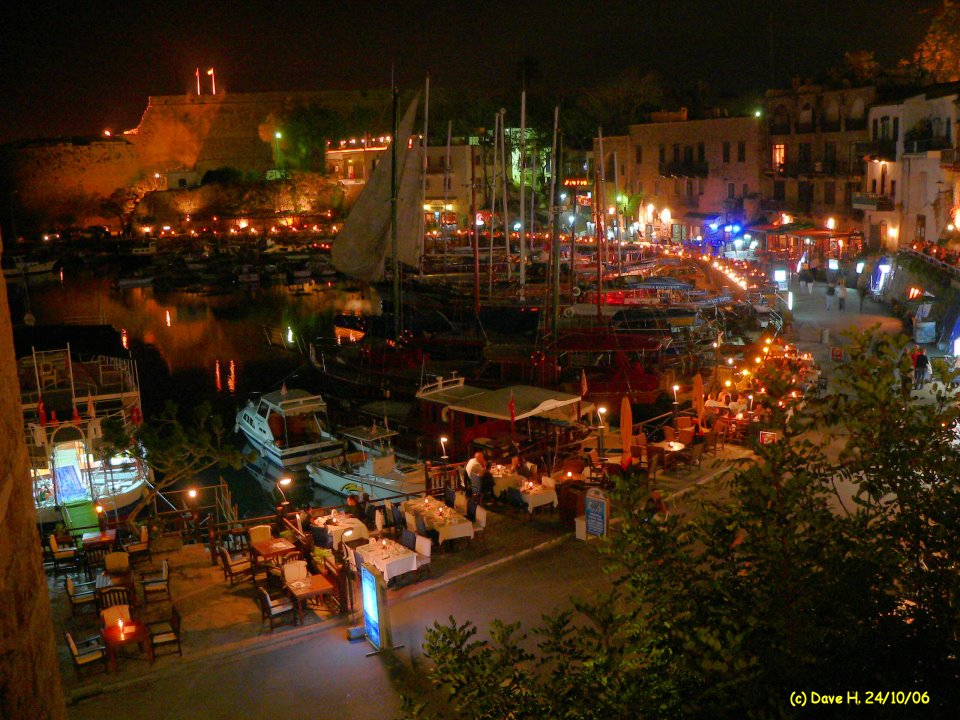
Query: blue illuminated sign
[371,609]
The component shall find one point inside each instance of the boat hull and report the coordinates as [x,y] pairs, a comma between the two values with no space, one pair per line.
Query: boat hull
[347,482]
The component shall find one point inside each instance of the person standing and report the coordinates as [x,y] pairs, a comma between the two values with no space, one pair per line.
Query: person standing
[920,370]
[831,291]
[841,294]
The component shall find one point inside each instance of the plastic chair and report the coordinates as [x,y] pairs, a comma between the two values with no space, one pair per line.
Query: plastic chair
[480,523]
[450,497]
[423,548]
[408,539]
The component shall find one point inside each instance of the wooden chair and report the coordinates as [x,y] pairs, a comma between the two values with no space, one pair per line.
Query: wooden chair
[117,563]
[236,567]
[638,455]
[140,549]
[93,558]
[423,549]
[113,597]
[157,585]
[273,608]
[596,465]
[408,539]
[710,443]
[686,435]
[109,616]
[657,454]
[669,434]
[260,533]
[80,594]
[573,465]
[166,632]
[683,421]
[653,465]
[61,555]
[86,653]
[295,570]
[450,497]
[691,455]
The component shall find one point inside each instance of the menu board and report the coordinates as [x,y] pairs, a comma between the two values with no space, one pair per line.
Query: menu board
[596,507]
[371,608]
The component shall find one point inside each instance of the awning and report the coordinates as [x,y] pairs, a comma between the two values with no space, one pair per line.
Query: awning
[528,401]
[703,218]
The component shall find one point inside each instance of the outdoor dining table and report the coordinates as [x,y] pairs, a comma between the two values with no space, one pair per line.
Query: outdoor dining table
[671,449]
[391,558]
[447,522]
[312,586]
[503,479]
[338,524]
[536,495]
[133,632]
[99,537]
[274,547]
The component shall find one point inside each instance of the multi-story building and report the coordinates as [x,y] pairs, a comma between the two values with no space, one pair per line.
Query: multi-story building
[909,192]
[813,168]
[690,177]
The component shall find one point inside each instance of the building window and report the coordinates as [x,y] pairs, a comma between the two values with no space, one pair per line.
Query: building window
[805,152]
[746,190]
[676,186]
[873,186]
[640,187]
[639,155]
[689,187]
[875,129]
[688,154]
[656,188]
[896,128]
[830,152]
[779,191]
[700,185]
[731,190]
[701,153]
[893,189]
[663,153]
[921,227]
[676,152]
[779,155]
[741,151]
[726,152]
[829,193]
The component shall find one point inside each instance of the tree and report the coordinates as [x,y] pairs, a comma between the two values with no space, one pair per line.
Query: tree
[177,453]
[306,130]
[122,204]
[938,54]
[860,67]
[781,585]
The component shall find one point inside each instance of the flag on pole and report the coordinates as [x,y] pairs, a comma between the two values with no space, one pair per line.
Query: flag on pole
[283,389]
[513,412]
[91,408]
[42,412]
[583,383]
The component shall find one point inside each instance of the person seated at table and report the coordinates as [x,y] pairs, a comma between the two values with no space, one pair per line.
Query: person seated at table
[481,481]
[712,401]
[526,470]
[353,506]
[737,406]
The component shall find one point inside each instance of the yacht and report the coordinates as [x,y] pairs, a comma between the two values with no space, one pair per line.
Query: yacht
[370,467]
[287,428]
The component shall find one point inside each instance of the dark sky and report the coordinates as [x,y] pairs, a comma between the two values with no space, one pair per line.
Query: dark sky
[77,68]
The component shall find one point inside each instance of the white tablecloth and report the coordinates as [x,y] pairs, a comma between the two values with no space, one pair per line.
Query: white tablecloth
[448,523]
[344,523]
[504,479]
[538,496]
[392,561]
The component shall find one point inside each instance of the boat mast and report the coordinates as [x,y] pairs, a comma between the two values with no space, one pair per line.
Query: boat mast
[506,194]
[598,225]
[616,205]
[423,173]
[476,236]
[493,198]
[554,215]
[523,179]
[394,241]
[446,187]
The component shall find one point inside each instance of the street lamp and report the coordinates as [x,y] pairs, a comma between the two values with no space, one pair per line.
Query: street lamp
[276,141]
[443,446]
[601,411]
[281,484]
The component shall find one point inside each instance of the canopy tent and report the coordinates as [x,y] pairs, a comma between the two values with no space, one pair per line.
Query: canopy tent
[528,401]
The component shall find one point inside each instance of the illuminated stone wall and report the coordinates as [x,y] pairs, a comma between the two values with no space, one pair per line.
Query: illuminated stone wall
[29,673]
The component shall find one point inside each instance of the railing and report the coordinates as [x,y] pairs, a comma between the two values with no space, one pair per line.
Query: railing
[950,158]
[923,145]
[936,262]
[684,169]
[830,125]
[872,201]
[806,127]
[782,128]
[880,149]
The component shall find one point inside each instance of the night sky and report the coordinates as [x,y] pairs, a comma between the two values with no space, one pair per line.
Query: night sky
[77,68]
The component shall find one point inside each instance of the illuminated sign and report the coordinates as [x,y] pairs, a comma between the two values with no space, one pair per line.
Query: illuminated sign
[596,507]
[833,264]
[371,608]
[576,182]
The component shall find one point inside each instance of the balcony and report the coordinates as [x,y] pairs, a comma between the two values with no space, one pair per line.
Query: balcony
[880,150]
[855,124]
[950,160]
[768,205]
[683,169]
[872,201]
[814,167]
[781,128]
[733,205]
[806,127]
[830,125]
[922,146]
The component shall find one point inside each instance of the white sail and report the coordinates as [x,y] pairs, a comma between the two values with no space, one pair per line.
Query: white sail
[363,243]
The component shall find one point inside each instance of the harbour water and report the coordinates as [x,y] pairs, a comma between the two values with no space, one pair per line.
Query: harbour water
[194,348]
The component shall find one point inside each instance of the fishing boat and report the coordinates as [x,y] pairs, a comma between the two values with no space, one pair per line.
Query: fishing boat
[371,467]
[287,428]
[67,397]
[26,265]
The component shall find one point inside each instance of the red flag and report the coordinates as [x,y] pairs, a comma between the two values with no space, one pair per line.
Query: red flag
[583,383]
[513,412]
[76,415]
[41,412]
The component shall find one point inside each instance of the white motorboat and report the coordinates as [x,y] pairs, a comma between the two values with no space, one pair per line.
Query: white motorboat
[287,428]
[370,468]
[28,266]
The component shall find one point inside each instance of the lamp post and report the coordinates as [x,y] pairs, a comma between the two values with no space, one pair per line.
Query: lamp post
[443,446]
[276,142]
[213,80]
[600,413]
[281,484]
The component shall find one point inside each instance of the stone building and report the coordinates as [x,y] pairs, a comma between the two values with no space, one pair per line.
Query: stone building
[812,168]
[698,175]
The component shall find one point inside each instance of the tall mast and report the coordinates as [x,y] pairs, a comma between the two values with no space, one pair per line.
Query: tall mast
[554,215]
[423,172]
[598,223]
[394,241]
[446,189]
[616,206]
[523,168]
[493,197]
[506,194]
[476,236]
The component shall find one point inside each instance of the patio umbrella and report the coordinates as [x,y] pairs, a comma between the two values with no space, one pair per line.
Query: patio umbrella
[626,430]
[698,396]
